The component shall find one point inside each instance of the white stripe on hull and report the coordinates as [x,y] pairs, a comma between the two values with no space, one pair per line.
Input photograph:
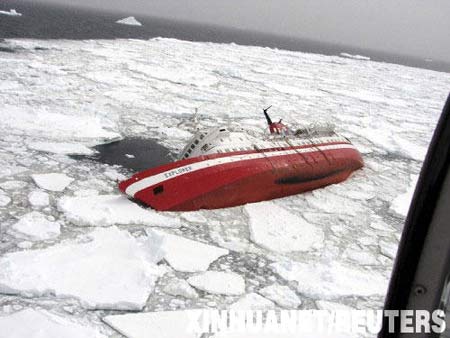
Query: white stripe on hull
[144,183]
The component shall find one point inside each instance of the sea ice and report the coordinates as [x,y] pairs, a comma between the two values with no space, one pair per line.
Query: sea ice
[355,56]
[38,198]
[106,210]
[282,295]
[252,301]
[164,324]
[107,269]
[31,323]
[65,148]
[12,12]
[388,249]
[13,185]
[4,199]
[36,226]
[401,203]
[218,282]
[332,306]
[179,287]
[52,181]
[187,255]
[274,228]
[328,280]
[131,21]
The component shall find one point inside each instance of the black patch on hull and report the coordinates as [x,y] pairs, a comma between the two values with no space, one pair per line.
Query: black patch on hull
[302,179]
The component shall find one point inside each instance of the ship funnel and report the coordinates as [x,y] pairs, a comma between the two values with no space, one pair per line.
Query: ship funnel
[269,121]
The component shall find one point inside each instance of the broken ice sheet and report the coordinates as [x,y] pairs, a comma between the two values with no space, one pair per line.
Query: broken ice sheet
[107,269]
[107,210]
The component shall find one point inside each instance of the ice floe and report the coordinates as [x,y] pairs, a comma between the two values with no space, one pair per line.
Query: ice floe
[106,210]
[108,269]
[164,324]
[332,279]
[401,203]
[355,56]
[36,226]
[52,181]
[179,287]
[31,323]
[252,301]
[38,198]
[131,21]
[218,282]
[274,228]
[11,12]
[187,255]
[282,295]
[4,199]
[61,148]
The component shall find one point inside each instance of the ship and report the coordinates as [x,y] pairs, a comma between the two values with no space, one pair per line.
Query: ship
[229,166]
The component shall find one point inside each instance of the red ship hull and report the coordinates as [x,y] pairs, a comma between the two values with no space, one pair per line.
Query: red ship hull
[227,180]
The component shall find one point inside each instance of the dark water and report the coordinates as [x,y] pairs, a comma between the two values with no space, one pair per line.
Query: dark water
[44,21]
[146,153]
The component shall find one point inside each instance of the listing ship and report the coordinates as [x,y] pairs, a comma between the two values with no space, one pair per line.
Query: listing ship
[225,167]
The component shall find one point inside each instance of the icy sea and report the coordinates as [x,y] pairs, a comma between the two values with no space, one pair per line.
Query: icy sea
[77,259]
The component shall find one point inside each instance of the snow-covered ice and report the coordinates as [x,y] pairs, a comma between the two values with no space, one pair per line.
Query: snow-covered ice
[11,12]
[218,282]
[66,97]
[274,228]
[65,148]
[52,181]
[187,255]
[36,226]
[252,301]
[131,21]
[282,295]
[332,280]
[355,56]
[31,323]
[402,202]
[108,269]
[106,210]
[179,287]
[38,198]
[164,324]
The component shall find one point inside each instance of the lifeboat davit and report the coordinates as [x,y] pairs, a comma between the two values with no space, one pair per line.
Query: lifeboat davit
[225,167]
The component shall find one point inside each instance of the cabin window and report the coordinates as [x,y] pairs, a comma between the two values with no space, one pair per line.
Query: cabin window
[158,190]
[202,136]
[186,155]
[222,130]
[189,151]
[196,141]
[192,146]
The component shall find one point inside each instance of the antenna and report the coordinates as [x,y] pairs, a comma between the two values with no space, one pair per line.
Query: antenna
[269,121]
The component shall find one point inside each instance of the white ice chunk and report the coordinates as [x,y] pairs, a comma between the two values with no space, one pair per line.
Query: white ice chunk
[218,282]
[164,324]
[36,226]
[108,269]
[355,56]
[13,185]
[388,249]
[252,301]
[61,148]
[179,287]
[52,181]
[106,210]
[31,323]
[38,198]
[4,199]
[187,255]
[402,202]
[328,280]
[12,12]
[332,306]
[131,21]
[281,295]
[274,228]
